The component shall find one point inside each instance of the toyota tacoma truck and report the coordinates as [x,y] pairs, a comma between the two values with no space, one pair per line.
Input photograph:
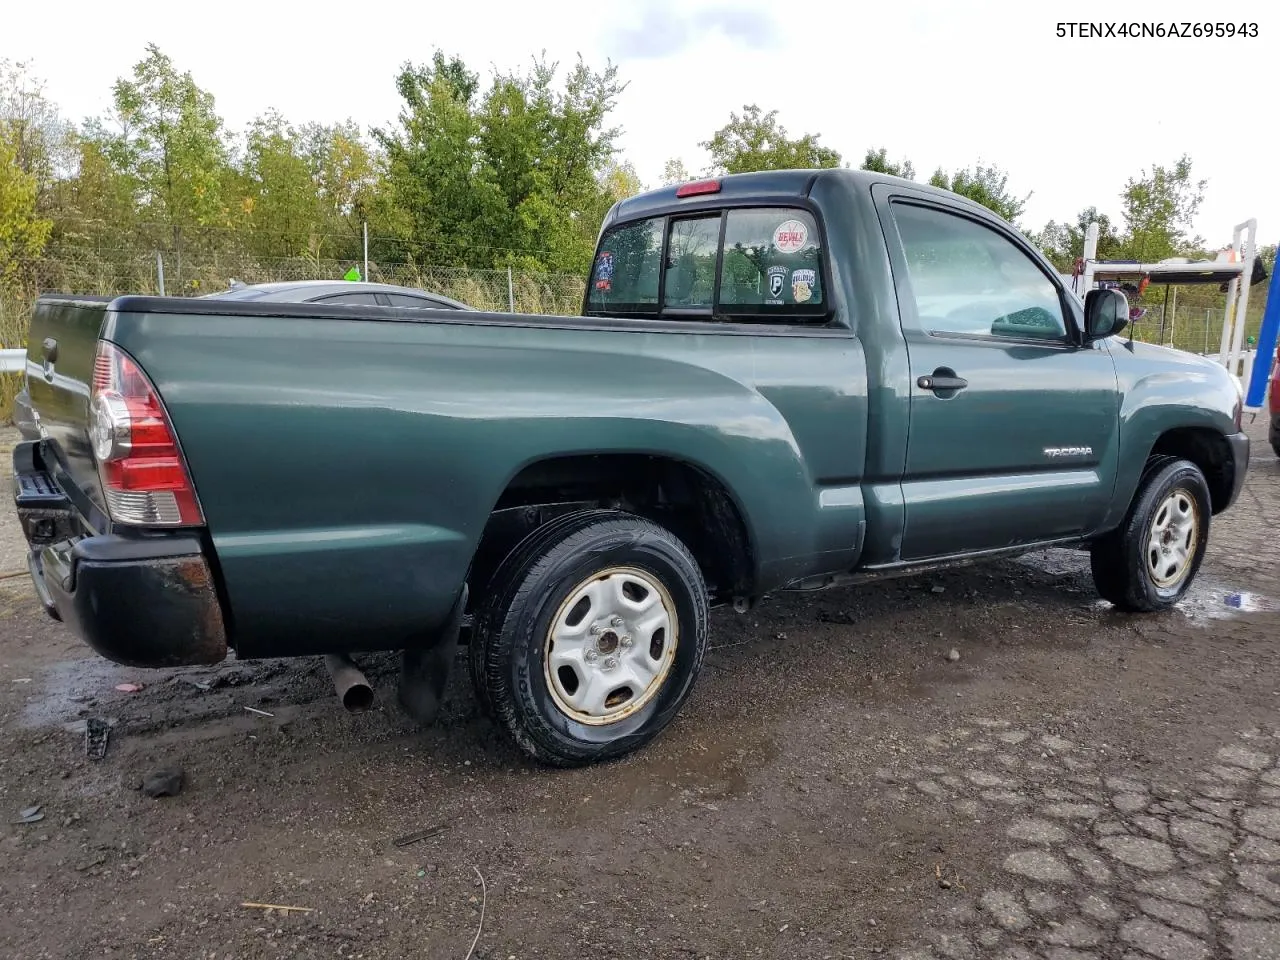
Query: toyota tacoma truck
[779,381]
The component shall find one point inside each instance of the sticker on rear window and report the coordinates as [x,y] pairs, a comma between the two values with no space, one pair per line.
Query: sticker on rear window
[604,271]
[777,280]
[802,282]
[790,236]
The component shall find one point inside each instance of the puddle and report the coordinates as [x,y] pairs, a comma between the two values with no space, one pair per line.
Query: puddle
[1215,603]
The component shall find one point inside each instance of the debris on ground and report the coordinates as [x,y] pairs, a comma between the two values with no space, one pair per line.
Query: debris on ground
[163,783]
[96,733]
[261,713]
[30,815]
[277,906]
[128,687]
[953,654]
[426,834]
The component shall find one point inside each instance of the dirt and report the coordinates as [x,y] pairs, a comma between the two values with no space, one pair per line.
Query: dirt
[1079,783]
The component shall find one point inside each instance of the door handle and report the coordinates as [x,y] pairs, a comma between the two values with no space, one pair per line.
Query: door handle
[942,382]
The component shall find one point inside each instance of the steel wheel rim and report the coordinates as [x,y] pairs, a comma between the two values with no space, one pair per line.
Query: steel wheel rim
[610,646]
[1172,539]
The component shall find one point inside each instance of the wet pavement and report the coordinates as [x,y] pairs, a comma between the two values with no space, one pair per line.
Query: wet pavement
[1077,784]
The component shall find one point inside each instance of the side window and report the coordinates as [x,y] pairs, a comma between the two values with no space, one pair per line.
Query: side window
[419,303]
[363,299]
[624,277]
[690,280]
[772,264]
[968,279]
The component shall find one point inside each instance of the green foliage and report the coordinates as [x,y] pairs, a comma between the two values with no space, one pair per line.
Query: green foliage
[1159,208]
[675,172]
[170,145]
[987,185]
[1064,242]
[518,176]
[878,162]
[302,189]
[755,141]
[22,231]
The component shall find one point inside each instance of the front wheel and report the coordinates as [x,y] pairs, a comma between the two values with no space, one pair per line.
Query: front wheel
[592,635]
[1149,562]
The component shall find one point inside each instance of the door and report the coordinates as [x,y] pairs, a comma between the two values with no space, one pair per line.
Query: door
[1014,423]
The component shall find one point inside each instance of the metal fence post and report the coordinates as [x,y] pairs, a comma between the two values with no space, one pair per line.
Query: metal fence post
[160,271]
[511,293]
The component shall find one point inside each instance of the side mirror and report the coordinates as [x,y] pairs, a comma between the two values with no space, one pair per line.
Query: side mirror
[1106,313]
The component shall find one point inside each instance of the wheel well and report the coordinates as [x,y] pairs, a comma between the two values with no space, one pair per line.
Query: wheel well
[689,502]
[1209,451]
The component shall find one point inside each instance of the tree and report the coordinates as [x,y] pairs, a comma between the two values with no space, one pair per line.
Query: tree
[32,128]
[1064,242]
[878,161]
[22,231]
[758,142]
[1158,210]
[675,172]
[987,185]
[517,176]
[171,145]
[302,188]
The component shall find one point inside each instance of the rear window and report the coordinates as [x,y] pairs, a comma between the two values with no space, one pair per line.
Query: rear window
[758,263]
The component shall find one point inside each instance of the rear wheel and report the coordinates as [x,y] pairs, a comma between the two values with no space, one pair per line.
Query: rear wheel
[1149,562]
[591,637]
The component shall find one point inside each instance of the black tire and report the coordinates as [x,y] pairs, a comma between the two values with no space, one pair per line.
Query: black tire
[1122,561]
[485,611]
[510,639]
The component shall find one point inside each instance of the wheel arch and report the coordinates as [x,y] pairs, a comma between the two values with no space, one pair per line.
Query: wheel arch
[688,498]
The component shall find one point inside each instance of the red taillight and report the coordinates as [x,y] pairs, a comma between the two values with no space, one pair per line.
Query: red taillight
[697,188]
[143,473]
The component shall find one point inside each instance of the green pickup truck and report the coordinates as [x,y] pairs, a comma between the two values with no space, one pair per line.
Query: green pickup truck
[783,380]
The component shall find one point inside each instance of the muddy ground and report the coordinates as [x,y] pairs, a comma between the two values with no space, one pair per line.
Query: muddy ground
[1078,784]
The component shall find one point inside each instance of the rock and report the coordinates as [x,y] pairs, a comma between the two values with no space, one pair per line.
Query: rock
[1176,887]
[1161,941]
[1074,811]
[1056,744]
[1264,821]
[1201,837]
[1005,910]
[1037,831]
[1097,908]
[953,654]
[1150,855]
[1074,933]
[1256,941]
[1129,802]
[163,783]
[1241,757]
[1038,865]
[1191,919]
[1261,850]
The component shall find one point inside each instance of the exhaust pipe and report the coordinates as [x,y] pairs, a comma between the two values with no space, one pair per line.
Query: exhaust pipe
[352,688]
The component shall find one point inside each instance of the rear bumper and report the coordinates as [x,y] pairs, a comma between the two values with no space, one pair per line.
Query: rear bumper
[1239,443]
[143,601]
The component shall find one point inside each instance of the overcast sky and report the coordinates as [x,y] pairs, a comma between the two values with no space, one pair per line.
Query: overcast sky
[943,83]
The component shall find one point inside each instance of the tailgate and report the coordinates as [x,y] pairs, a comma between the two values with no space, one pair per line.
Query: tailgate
[60,355]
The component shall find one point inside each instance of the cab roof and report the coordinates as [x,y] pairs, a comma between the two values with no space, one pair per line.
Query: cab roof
[766,185]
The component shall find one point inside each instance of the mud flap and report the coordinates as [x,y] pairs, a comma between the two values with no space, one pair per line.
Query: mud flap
[424,671]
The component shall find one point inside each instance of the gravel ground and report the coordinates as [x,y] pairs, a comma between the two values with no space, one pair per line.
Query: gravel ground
[1078,784]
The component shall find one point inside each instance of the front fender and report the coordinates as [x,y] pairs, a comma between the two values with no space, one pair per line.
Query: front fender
[1164,390]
